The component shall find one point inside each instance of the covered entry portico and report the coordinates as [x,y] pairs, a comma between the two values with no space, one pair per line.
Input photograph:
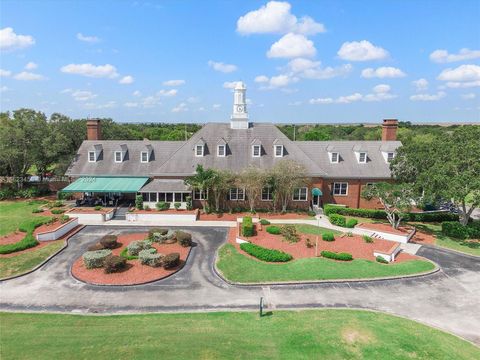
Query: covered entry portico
[165,190]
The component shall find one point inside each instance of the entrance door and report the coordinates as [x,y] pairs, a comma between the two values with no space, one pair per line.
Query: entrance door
[316,200]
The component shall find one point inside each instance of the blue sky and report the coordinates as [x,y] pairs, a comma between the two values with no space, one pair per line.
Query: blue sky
[302,61]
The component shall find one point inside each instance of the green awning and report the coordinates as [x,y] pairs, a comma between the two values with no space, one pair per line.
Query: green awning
[316,192]
[104,184]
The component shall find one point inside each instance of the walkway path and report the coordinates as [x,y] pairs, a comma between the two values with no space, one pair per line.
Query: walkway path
[448,299]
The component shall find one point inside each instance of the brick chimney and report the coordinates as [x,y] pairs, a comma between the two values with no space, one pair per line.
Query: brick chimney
[94,129]
[389,129]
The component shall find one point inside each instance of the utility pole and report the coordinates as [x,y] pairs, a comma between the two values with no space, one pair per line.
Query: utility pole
[186,132]
[294,132]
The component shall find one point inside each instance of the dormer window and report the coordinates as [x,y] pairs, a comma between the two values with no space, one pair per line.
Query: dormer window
[221,150]
[278,150]
[118,156]
[199,150]
[334,158]
[362,158]
[91,156]
[256,150]
[390,156]
[144,157]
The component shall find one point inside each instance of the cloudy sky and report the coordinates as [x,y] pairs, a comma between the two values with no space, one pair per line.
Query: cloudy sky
[302,61]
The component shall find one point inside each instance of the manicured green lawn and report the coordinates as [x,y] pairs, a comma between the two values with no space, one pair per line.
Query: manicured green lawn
[21,263]
[314,230]
[240,268]
[313,334]
[12,213]
[445,241]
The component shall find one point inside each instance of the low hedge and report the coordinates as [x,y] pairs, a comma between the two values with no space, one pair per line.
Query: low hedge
[114,264]
[381,260]
[351,223]
[458,231]
[247,226]
[264,254]
[95,259]
[150,257]
[337,219]
[274,230]
[29,241]
[171,260]
[109,242]
[184,238]
[328,236]
[367,239]
[337,256]
[57,211]
[264,222]
[136,246]
[162,206]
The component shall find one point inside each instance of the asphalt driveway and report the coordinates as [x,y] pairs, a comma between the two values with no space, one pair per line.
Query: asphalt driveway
[448,299]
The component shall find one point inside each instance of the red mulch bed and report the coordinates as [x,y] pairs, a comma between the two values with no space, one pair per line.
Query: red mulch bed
[89,210]
[136,273]
[402,230]
[233,217]
[354,245]
[48,227]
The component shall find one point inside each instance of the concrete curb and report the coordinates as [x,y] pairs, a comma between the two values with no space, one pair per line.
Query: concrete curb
[47,259]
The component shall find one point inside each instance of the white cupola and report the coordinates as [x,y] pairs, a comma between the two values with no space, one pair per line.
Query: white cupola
[239,118]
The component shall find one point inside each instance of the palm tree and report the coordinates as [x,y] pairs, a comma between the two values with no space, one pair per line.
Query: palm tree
[202,180]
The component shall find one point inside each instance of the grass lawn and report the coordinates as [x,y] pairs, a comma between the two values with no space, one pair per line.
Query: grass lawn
[312,334]
[314,230]
[445,241]
[23,262]
[12,213]
[240,268]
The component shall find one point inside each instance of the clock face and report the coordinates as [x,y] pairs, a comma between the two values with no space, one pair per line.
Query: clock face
[239,108]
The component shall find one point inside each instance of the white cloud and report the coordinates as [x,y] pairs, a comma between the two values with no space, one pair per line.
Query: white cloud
[9,41]
[380,92]
[275,17]
[468,96]
[321,101]
[459,85]
[349,98]
[88,39]
[230,84]
[131,104]
[126,80]
[108,105]
[361,51]
[31,66]
[327,73]
[173,82]
[420,84]
[28,76]
[280,80]
[150,101]
[275,82]
[66,91]
[83,95]
[442,56]
[222,67]
[381,88]
[463,73]
[428,97]
[137,93]
[383,72]
[89,70]
[5,73]
[167,93]
[261,79]
[182,107]
[301,64]
[292,46]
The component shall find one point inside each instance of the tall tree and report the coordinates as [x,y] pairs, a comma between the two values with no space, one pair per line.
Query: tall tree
[287,175]
[445,166]
[252,179]
[222,181]
[202,180]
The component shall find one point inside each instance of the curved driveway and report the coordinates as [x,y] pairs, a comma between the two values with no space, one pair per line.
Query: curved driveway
[448,299]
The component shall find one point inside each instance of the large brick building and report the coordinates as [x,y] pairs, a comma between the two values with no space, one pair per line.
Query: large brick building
[156,169]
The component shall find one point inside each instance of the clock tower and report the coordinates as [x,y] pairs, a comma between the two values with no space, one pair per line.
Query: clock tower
[239,118]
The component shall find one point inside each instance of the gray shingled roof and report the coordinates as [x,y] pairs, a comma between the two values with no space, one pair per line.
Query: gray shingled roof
[348,166]
[164,185]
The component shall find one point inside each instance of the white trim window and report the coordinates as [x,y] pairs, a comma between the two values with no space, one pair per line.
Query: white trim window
[200,194]
[300,194]
[340,188]
[267,194]
[390,156]
[92,157]
[256,150]
[118,156]
[278,150]
[237,194]
[362,158]
[334,157]
[144,157]
[199,150]
[221,150]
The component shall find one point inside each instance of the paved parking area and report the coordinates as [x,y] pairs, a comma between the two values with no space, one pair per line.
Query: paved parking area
[448,299]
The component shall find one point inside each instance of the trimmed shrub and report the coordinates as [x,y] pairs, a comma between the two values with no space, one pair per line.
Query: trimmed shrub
[63,219]
[438,216]
[150,257]
[36,211]
[95,247]
[95,259]
[473,229]
[337,219]
[337,256]
[311,213]
[171,260]
[367,239]
[177,205]
[471,244]
[289,232]
[328,236]
[184,238]
[162,206]
[97,208]
[109,242]
[381,260]
[264,222]
[114,264]
[163,236]
[136,246]
[57,211]
[27,242]
[56,203]
[247,226]
[264,254]
[189,203]
[351,223]
[156,232]
[274,230]
[139,202]
[454,229]
[308,243]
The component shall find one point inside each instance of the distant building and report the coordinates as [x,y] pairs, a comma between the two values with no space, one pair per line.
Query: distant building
[156,169]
